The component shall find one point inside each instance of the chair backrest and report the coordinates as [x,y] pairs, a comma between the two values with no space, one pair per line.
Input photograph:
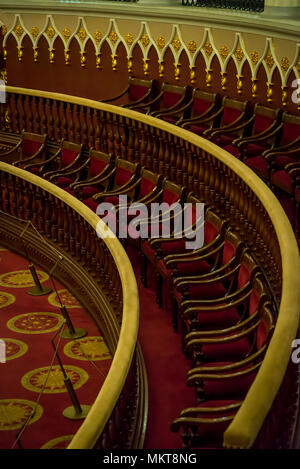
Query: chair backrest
[69,152]
[248,267]
[31,143]
[173,193]
[266,325]
[291,128]
[138,88]
[233,246]
[202,101]
[232,110]
[213,226]
[98,161]
[149,181]
[124,171]
[171,95]
[264,118]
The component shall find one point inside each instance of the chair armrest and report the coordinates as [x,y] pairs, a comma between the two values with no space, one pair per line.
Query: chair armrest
[138,101]
[12,150]
[169,109]
[115,97]
[153,101]
[218,376]
[42,163]
[204,120]
[229,127]
[100,196]
[245,140]
[198,280]
[71,172]
[232,129]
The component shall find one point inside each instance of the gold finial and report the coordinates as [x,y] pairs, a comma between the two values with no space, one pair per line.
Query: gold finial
[208,78]
[114,62]
[270,91]
[145,66]
[98,61]
[129,64]
[177,70]
[224,81]
[192,74]
[51,55]
[35,54]
[20,53]
[82,58]
[67,56]
[161,68]
[239,83]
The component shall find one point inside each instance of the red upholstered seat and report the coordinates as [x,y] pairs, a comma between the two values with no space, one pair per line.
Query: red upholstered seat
[283,180]
[230,115]
[215,319]
[258,164]
[197,129]
[237,386]
[232,149]
[254,149]
[63,181]
[89,191]
[90,202]
[236,349]
[262,123]
[184,268]
[96,166]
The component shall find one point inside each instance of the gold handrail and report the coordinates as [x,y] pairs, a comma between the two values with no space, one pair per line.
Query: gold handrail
[91,428]
[246,424]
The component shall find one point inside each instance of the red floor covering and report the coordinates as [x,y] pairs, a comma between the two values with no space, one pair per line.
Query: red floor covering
[27,349]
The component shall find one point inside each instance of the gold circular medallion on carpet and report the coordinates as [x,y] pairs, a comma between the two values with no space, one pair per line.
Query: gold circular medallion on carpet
[35,323]
[15,412]
[88,348]
[35,380]
[67,299]
[21,278]
[61,442]
[6,299]
[14,348]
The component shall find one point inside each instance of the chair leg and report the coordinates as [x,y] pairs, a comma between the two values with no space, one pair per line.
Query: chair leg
[144,264]
[159,285]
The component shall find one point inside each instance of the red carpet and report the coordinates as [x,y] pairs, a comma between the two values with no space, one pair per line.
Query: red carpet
[27,324]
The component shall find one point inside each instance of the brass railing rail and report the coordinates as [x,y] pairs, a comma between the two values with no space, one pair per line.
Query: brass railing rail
[218,179]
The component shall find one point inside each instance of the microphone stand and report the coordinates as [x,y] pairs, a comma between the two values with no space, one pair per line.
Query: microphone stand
[38,289]
[71,332]
[76,411]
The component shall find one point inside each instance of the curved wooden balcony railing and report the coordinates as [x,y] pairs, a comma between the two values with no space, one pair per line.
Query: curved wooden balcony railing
[219,180]
[99,273]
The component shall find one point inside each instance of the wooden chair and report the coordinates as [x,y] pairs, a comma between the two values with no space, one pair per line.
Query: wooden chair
[240,138]
[230,114]
[68,156]
[285,139]
[201,105]
[30,147]
[138,91]
[171,97]
[82,181]
[120,176]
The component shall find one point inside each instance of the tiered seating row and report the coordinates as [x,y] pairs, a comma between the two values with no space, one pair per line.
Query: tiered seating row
[220,295]
[265,139]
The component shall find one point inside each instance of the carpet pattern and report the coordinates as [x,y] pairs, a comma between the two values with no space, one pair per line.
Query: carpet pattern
[29,385]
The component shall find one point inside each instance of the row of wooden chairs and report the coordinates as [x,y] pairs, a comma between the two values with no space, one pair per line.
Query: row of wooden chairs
[221,302]
[265,139]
